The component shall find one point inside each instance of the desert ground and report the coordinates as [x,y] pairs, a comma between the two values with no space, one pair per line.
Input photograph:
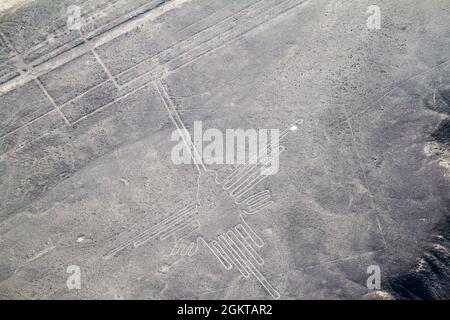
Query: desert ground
[88,104]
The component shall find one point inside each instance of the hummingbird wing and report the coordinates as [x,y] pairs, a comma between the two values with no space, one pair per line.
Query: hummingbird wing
[175,223]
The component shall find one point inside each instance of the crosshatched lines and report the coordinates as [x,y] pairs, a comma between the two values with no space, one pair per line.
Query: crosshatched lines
[184,52]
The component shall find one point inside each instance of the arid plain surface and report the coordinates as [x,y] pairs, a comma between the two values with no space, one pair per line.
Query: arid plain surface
[86,172]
